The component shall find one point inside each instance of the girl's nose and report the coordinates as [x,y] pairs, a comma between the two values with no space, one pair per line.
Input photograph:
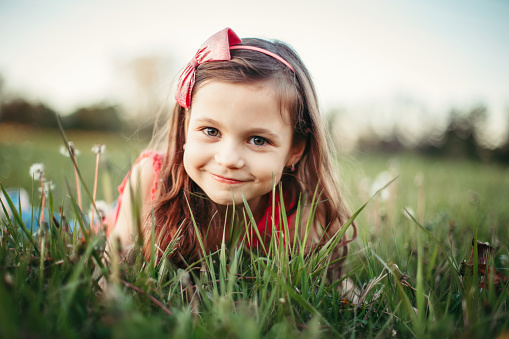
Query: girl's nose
[229,156]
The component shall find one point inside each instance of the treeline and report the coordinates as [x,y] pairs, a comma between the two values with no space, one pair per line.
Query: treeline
[465,136]
[104,117]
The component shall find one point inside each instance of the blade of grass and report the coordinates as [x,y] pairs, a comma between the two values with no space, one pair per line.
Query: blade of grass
[291,291]
[451,264]
[17,218]
[253,223]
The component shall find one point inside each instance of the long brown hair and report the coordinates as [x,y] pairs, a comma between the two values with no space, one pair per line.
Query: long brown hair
[179,199]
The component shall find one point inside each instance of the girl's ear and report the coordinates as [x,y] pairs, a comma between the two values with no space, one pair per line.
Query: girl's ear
[296,152]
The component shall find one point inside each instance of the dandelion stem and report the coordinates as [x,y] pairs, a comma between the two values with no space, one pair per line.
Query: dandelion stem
[41,218]
[78,190]
[95,191]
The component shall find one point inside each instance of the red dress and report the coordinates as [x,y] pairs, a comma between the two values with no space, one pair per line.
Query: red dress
[270,221]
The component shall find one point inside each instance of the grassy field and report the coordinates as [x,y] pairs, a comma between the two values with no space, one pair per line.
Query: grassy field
[408,272]
[20,147]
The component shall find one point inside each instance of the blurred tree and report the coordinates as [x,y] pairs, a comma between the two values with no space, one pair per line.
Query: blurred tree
[24,112]
[104,117]
[464,133]
[463,136]
[459,137]
[501,154]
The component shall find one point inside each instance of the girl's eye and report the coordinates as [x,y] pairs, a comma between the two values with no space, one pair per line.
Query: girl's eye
[210,131]
[258,141]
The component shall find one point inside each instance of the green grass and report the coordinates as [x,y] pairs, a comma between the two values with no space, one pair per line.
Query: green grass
[50,282]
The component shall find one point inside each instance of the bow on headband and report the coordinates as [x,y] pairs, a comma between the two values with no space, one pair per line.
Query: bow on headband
[216,48]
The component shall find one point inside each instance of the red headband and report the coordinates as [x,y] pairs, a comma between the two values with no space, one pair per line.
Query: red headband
[216,48]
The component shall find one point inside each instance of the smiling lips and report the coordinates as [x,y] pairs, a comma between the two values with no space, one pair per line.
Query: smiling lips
[224,180]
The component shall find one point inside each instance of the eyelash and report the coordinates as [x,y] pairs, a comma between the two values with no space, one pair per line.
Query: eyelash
[208,130]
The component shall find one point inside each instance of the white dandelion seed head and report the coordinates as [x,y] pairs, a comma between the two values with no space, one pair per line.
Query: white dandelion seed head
[37,171]
[98,148]
[73,148]
[63,150]
[48,186]
[102,208]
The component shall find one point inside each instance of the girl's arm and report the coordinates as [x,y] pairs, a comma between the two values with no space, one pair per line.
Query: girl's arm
[139,183]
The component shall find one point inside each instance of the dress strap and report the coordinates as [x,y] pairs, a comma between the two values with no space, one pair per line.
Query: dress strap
[157,160]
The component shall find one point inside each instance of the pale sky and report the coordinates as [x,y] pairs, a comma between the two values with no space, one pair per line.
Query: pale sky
[440,52]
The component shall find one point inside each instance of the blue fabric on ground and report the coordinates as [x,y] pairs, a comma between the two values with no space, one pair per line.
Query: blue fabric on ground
[29,215]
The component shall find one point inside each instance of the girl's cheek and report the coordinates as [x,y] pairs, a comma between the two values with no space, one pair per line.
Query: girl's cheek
[194,152]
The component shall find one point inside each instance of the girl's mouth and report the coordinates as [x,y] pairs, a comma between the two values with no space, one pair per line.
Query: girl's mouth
[224,180]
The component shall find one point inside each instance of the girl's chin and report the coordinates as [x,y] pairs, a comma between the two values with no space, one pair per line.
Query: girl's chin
[227,201]
[235,200]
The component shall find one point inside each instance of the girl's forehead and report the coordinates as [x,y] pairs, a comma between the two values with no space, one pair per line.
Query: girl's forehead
[261,99]
[238,107]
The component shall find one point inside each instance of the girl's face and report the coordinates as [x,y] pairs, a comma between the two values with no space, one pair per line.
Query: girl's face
[237,141]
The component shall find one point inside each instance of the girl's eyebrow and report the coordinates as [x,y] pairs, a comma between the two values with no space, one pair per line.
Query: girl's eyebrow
[268,133]
[208,120]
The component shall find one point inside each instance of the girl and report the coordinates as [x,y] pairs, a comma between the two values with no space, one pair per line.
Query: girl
[246,118]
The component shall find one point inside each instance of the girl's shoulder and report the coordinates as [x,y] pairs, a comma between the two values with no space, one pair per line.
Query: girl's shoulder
[143,175]
[146,170]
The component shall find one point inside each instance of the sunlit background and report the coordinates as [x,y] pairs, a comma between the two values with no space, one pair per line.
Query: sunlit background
[401,73]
